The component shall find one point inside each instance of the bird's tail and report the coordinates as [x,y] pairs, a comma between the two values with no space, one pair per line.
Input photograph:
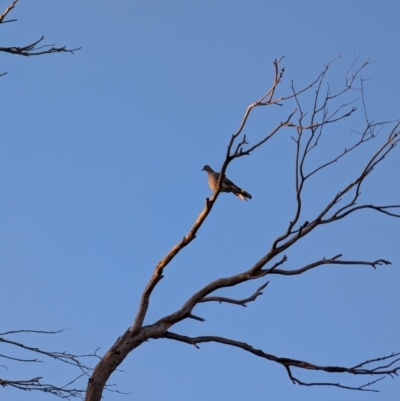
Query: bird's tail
[242,194]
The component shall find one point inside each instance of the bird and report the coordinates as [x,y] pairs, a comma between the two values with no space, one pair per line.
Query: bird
[227,184]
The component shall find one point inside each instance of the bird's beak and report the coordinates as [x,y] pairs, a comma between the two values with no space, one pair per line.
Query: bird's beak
[202,169]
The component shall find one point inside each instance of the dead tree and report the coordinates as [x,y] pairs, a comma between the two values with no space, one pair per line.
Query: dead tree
[307,124]
[7,339]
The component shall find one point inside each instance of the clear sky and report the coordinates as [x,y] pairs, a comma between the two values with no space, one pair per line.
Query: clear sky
[100,160]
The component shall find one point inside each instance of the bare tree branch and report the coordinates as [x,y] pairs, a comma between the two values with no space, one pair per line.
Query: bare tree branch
[31,331]
[60,356]
[363,368]
[35,48]
[35,384]
[253,273]
[242,302]
[332,261]
[7,10]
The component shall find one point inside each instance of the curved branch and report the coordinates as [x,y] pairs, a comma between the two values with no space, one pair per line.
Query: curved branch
[361,369]
[241,302]
[332,261]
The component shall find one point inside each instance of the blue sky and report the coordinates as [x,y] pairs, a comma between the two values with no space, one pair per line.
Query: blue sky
[100,162]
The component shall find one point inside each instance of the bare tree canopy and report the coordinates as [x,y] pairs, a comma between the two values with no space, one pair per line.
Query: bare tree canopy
[306,125]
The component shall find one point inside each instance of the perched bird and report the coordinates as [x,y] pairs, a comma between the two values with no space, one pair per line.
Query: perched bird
[227,185]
